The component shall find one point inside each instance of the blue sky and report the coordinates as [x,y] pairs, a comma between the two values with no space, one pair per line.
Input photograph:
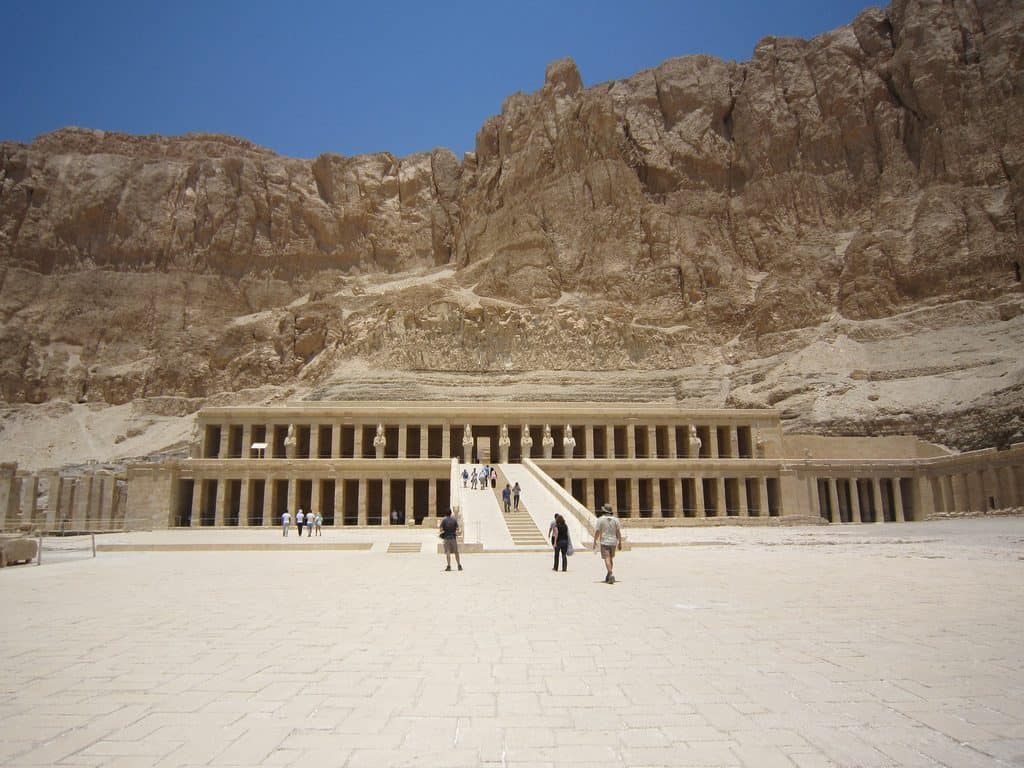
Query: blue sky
[305,77]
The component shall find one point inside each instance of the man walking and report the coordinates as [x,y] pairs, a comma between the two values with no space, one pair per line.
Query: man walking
[607,535]
[286,520]
[506,497]
[449,530]
[516,490]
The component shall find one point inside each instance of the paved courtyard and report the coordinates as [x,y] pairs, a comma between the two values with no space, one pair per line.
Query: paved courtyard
[886,645]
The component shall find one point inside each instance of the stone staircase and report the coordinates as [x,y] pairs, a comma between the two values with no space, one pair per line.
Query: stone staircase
[520,523]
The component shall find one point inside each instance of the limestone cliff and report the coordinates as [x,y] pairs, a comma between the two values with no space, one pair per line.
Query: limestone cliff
[829,228]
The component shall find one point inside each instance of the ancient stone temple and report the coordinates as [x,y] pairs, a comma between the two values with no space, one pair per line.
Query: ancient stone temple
[366,464]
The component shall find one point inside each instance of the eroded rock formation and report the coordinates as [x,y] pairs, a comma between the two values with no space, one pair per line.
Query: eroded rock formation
[702,221]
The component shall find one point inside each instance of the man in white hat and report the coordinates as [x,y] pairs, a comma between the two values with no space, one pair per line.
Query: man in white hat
[607,535]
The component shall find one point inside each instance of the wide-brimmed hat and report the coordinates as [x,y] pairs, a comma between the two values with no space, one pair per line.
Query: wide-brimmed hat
[606,508]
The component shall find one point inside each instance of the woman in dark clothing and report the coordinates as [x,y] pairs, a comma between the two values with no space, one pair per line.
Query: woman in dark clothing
[560,541]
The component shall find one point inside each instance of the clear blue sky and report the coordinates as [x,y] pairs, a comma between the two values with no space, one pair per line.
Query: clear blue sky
[306,77]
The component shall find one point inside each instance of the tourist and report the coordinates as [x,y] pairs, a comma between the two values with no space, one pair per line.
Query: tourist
[472,479]
[560,540]
[515,496]
[286,520]
[449,531]
[607,535]
[300,519]
[494,478]
[319,522]
[465,476]
[506,497]
[310,522]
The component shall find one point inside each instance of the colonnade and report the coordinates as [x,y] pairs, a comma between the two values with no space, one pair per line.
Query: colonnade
[88,501]
[867,499]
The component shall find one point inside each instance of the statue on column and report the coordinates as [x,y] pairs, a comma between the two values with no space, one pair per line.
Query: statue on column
[380,441]
[290,442]
[547,442]
[695,443]
[526,442]
[504,443]
[467,445]
[568,442]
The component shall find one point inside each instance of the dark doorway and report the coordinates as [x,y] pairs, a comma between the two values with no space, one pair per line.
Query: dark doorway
[397,502]
[412,443]
[183,514]
[350,513]
[257,497]
[327,488]
[374,501]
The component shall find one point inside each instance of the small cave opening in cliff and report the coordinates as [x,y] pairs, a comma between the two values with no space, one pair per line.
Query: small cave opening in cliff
[1016,270]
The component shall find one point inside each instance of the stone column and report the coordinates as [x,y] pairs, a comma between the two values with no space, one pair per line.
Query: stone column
[723,502]
[80,509]
[713,451]
[432,498]
[8,495]
[403,441]
[567,484]
[446,441]
[29,495]
[652,441]
[362,508]
[52,498]
[588,435]
[107,500]
[677,495]
[357,441]
[897,501]
[314,441]
[223,450]
[316,499]
[336,440]
[424,441]
[959,489]
[673,449]
[634,496]
[385,502]
[1007,487]
[339,501]
[589,493]
[656,497]
[94,510]
[833,500]
[609,441]
[1017,474]
[409,510]
[734,441]
[271,516]
[220,510]
[243,501]
[197,502]
[631,441]
[269,440]
[876,495]
[698,495]
[293,494]
[762,497]
[744,504]
[855,515]
[246,440]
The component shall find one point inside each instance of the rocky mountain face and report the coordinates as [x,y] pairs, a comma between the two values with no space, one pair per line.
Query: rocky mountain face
[833,228]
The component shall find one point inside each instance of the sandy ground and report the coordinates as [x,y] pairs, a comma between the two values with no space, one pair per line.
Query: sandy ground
[888,645]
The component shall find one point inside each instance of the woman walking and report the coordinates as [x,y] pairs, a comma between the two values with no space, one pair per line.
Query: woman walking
[561,541]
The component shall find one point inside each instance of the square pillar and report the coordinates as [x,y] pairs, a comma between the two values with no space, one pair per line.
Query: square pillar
[243,502]
[225,441]
[270,515]
[631,441]
[357,441]
[723,504]
[409,513]
[80,507]
[652,441]
[269,440]
[385,502]
[713,442]
[94,510]
[876,494]
[339,501]
[403,441]
[197,502]
[762,497]
[673,449]
[362,506]
[52,498]
[424,447]
[698,495]
[741,484]
[314,441]
[897,500]
[316,499]
[446,442]
[432,498]
[336,440]
[8,492]
[734,441]
[589,493]
[609,441]
[677,485]
[588,433]
[656,497]
[833,500]
[29,495]
[246,440]
[855,515]
[219,511]
[293,495]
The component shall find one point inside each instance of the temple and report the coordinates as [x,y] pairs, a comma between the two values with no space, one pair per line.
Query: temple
[386,463]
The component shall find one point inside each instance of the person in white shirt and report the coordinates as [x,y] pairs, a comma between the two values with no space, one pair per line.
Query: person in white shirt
[299,520]
[286,520]
[608,535]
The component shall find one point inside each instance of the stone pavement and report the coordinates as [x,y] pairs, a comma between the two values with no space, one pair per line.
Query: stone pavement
[788,647]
